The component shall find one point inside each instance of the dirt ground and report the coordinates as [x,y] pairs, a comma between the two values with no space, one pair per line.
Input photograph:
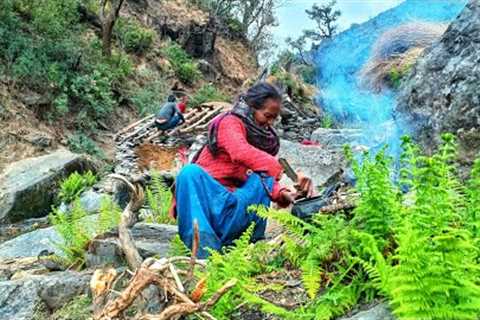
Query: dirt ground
[156,157]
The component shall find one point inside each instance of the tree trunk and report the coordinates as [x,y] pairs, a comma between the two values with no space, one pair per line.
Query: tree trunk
[107,30]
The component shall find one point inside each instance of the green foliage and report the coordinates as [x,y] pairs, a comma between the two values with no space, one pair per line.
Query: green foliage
[327,122]
[109,215]
[77,229]
[43,47]
[80,143]
[379,198]
[74,185]
[207,93]
[183,65]
[71,226]
[433,271]
[159,200]
[146,97]
[133,37]
[178,248]
[237,262]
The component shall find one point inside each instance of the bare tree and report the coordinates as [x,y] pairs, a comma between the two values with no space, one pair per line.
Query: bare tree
[109,11]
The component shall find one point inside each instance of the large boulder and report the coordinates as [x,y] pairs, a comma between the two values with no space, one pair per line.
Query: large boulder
[316,162]
[336,138]
[21,299]
[28,187]
[442,92]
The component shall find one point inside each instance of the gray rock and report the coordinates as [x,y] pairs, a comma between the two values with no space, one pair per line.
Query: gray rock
[316,162]
[19,299]
[441,94]
[378,312]
[28,187]
[91,201]
[32,243]
[336,138]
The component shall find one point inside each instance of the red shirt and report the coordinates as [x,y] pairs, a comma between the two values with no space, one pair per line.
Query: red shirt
[236,157]
[182,107]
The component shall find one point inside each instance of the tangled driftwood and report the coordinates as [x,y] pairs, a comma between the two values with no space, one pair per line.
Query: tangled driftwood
[172,277]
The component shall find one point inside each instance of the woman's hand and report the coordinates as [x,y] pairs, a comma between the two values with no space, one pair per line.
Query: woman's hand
[304,185]
[288,197]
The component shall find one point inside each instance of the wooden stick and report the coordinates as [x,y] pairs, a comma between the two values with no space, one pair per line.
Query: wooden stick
[208,116]
[132,126]
[176,277]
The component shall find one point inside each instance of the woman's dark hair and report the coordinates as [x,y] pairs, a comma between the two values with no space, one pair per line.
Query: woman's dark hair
[256,96]
[171,98]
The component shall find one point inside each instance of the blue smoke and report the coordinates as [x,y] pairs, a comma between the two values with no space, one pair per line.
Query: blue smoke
[339,60]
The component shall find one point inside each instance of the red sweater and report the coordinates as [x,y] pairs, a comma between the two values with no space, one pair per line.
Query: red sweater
[236,156]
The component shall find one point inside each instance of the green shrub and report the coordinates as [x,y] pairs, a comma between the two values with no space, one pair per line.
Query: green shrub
[43,47]
[159,199]
[133,37]
[207,93]
[74,185]
[183,65]
[80,143]
[146,98]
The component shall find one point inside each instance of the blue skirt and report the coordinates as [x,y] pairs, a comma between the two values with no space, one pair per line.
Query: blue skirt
[221,214]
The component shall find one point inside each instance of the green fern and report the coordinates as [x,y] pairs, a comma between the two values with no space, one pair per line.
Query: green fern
[74,185]
[159,199]
[77,229]
[109,215]
[74,231]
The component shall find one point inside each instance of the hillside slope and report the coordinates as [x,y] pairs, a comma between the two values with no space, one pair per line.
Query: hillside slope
[39,114]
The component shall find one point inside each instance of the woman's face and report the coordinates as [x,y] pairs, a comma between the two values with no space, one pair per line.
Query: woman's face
[266,116]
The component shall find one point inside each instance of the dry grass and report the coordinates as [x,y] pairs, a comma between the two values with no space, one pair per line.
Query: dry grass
[396,51]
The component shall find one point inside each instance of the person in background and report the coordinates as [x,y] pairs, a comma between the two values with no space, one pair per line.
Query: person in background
[182,105]
[169,115]
[236,168]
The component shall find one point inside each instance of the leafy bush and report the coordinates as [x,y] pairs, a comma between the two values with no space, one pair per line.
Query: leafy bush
[207,93]
[74,185]
[159,200]
[43,47]
[80,143]
[133,36]
[183,65]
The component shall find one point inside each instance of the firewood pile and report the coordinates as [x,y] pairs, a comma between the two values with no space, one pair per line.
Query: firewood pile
[144,131]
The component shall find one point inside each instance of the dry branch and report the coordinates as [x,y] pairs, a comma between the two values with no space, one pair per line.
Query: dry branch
[127,220]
